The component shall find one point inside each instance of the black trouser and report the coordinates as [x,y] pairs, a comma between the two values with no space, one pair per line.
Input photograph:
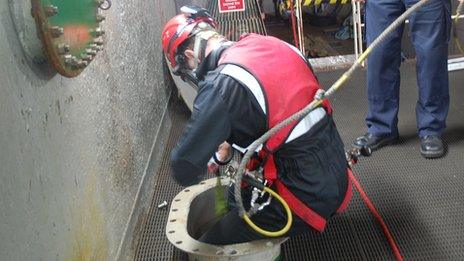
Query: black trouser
[232,229]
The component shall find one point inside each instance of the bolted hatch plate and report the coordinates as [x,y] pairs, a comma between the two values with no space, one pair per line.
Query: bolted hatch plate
[70,32]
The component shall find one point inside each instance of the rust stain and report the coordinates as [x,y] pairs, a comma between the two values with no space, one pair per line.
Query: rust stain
[122,154]
[89,233]
[77,35]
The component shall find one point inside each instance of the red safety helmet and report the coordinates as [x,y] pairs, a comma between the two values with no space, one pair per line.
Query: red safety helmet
[182,27]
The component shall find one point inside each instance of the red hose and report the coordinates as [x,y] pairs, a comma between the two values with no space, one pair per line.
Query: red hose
[376,214]
[295,38]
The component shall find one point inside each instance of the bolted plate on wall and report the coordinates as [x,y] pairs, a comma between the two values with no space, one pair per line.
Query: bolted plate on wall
[70,32]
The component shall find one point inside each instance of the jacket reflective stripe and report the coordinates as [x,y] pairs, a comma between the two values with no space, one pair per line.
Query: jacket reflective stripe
[306,123]
[247,79]
[244,150]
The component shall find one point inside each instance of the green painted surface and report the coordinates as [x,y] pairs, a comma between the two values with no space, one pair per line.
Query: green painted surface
[73,12]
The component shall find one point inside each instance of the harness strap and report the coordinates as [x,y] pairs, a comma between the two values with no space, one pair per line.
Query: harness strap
[348,193]
[269,168]
[301,209]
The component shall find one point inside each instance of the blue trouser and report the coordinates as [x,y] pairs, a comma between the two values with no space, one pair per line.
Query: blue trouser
[430,30]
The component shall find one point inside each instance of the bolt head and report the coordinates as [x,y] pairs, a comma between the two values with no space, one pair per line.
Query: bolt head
[70,60]
[87,57]
[74,61]
[67,59]
[50,10]
[95,47]
[100,18]
[82,64]
[63,48]
[98,41]
[56,31]
[97,32]
[90,52]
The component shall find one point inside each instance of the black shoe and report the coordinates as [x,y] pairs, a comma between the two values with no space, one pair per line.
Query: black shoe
[431,146]
[374,142]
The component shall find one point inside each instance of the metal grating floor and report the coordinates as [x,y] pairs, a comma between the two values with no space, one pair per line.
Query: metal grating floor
[421,200]
[233,24]
[152,242]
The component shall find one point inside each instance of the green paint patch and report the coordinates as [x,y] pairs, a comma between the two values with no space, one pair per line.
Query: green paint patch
[73,12]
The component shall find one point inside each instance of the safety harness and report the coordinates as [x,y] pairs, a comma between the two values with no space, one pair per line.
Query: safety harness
[248,61]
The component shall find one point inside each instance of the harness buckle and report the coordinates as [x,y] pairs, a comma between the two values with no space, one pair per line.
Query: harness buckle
[257,202]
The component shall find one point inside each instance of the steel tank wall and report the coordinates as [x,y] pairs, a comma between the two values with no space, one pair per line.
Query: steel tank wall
[77,155]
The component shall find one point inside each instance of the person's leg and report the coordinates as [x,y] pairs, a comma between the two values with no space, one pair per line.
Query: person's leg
[430,29]
[383,76]
[232,229]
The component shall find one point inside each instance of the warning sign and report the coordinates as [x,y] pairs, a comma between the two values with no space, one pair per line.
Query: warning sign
[231,5]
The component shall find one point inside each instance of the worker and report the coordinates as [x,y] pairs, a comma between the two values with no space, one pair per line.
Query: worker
[430,33]
[244,89]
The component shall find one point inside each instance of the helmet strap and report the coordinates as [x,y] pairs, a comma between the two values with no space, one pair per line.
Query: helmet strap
[201,42]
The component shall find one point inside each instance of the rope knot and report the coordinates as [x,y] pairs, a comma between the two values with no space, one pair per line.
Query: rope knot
[320,95]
